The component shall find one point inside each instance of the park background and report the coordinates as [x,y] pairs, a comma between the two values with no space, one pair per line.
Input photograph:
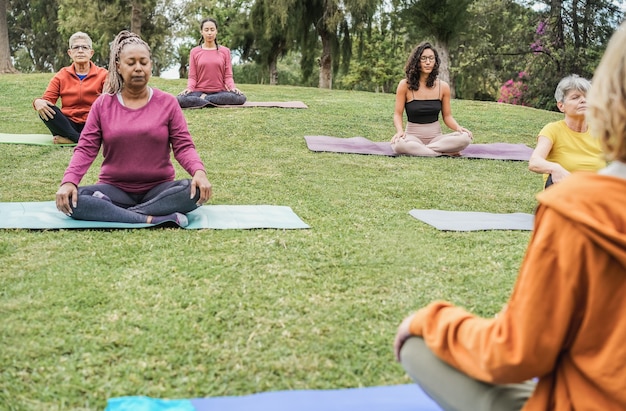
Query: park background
[491,50]
[86,315]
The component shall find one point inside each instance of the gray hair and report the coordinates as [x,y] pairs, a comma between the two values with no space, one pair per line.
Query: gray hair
[569,83]
[79,35]
[114,81]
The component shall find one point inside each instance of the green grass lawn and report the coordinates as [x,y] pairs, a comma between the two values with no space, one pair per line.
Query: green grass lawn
[171,313]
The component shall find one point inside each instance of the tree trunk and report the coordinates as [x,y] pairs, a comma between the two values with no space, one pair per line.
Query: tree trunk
[444,66]
[6,65]
[273,72]
[135,17]
[326,69]
[556,26]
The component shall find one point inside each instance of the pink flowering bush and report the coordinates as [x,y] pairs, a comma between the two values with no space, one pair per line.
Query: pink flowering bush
[513,91]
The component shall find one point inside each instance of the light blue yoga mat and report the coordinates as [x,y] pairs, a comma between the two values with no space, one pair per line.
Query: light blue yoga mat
[36,139]
[474,221]
[384,398]
[44,216]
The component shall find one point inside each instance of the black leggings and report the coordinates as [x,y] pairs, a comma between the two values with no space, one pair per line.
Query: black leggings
[60,125]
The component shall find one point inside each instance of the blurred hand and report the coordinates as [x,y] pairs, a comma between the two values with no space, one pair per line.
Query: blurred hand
[44,109]
[201,182]
[396,137]
[66,193]
[464,130]
[402,335]
[559,174]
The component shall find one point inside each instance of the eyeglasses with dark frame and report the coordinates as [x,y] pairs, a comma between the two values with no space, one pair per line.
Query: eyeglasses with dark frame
[80,47]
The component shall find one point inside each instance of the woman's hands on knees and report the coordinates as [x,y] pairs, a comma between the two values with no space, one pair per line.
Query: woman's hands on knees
[43,109]
[396,137]
[66,193]
[201,182]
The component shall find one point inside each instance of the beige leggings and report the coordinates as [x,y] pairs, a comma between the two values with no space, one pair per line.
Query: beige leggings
[428,140]
[454,390]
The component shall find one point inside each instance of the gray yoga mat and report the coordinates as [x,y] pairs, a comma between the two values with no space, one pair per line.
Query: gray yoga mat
[44,216]
[474,221]
[362,145]
[36,139]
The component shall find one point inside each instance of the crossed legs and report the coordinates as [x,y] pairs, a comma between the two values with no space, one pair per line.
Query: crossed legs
[104,202]
[454,390]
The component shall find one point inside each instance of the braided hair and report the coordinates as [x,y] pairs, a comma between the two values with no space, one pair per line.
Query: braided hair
[202,25]
[413,71]
[114,81]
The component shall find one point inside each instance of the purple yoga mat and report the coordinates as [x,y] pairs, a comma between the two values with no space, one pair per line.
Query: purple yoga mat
[361,145]
[354,145]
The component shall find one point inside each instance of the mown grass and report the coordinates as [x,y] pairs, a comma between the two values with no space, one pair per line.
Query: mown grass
[170,313]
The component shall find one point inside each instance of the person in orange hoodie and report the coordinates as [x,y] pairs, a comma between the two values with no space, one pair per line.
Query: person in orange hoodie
[558,344]
[78,86]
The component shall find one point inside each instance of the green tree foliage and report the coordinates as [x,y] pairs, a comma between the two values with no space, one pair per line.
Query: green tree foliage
[232,20]
[441,21]
[494,48]
[524,45]
[33,31]
[380,54]
[105,18]
[517,53]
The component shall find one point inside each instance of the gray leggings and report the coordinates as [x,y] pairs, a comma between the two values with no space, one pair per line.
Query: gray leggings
[104,202]
[454,390]
[200,99]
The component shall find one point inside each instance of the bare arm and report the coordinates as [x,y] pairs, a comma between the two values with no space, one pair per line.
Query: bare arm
[399,110]
[446,111]
[538,163]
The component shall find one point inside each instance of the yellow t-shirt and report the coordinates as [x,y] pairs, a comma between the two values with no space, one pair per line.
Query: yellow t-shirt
[574,151]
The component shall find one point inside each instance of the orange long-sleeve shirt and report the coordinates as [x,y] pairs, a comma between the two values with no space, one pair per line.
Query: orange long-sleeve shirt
[76,96]
[566,319]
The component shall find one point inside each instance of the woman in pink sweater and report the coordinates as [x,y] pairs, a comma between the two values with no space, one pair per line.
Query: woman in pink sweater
[137,127]
[210,80]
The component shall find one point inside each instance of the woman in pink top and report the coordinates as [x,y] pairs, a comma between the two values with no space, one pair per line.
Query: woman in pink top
[210,79]
[137,127]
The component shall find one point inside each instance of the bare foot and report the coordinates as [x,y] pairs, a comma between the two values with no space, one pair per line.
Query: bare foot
[61,140]
[457,154]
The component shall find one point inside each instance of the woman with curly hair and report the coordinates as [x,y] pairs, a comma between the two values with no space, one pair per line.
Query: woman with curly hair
[423,96]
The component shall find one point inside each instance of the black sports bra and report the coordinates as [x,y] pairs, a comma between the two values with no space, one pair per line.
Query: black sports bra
[422,111]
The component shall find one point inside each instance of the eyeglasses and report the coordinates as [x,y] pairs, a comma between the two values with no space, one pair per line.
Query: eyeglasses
[80,48]
[425,58]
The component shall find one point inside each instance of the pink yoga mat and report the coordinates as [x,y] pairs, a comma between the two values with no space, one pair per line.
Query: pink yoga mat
[362,145]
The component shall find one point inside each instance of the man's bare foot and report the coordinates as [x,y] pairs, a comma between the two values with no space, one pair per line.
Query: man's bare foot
[61,140]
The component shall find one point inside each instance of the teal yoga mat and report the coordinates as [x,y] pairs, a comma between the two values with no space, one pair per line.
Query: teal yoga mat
[473,220]
[36,139]
[44,216]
